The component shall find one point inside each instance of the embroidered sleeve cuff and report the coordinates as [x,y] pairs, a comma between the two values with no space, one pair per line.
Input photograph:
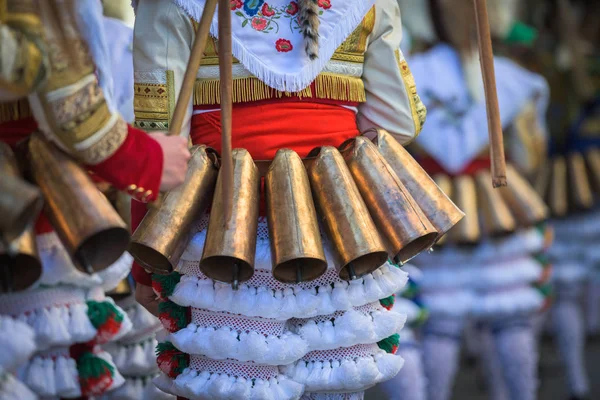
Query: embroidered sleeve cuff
[136,166]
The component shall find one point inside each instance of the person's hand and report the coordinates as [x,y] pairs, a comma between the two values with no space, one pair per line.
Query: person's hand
[175,160]
[147,298]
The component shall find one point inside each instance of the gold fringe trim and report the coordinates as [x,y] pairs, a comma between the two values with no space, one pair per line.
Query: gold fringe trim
[14,110]
[327,86]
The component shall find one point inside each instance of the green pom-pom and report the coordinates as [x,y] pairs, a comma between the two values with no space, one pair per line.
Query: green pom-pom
[388,302]
[545,290]
[522,34]
[91,366]
[163,347]
[170,360]
[173,317]
[164,285]
[390,344]
[99,312]
[542,259]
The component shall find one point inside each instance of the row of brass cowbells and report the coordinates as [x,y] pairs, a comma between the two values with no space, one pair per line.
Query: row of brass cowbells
[88,226]
[491,212]
[373,199]
[570,183]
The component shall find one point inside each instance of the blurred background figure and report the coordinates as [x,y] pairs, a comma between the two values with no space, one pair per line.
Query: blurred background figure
[488,269]
[567,54]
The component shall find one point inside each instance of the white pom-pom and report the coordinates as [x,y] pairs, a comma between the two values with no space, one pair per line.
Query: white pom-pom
[185,291]
[183,380]
[244,299]
[254,346]
[310,331]
[289,388]
[196,386]
[337,378]
[368,371]
[185,339]
[80,326]
[240,389]
[224,343]
[327,333]
[315,372]
[205,294]
[300,372]
[339,296]
[48,374]
[137,358]
[307,303]
[35,376]
[265,300]
[219,386]
[356,292]
[388,365]
[260,391]
[387,323]
[351,375]
[288,302]
[372,288]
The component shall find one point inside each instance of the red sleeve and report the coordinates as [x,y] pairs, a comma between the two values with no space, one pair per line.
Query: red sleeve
[136,167]
[138,211]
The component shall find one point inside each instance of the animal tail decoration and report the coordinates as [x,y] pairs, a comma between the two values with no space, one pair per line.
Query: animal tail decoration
[309,24]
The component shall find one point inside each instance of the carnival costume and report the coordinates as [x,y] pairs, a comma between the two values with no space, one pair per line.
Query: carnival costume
[569,184]
[56,53]
[273,338]
[410,383]
[492,278]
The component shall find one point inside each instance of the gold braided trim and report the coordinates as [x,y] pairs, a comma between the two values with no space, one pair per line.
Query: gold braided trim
[14,110]
[154,103]
[418,109]
[327,86]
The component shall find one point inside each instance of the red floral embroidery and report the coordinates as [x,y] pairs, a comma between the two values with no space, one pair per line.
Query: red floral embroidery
[292,8]
[235,4]
[324,4]
[259,23]
[283,45]
[267,10]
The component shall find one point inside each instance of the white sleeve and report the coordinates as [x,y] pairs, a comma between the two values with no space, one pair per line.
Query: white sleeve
[392,100]
[163,36]
[456,138]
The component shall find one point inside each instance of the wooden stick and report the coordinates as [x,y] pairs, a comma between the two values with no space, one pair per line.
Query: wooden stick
[226,79]
[486,55]
[189,78]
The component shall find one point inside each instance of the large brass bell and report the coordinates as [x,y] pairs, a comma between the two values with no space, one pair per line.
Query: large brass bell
[541,181]
[579,185]
[20,205]
[230,244]
[357,245]
[444,182]
[592,158]
[524,202]
[464,194]
[296,249]
[496,217]
[20,263]
[160,239]
[435,203]
[20,202]
[398,217]
[124,289]
[87,224]
[558,195]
